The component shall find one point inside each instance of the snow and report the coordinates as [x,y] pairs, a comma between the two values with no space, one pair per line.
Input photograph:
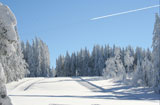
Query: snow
[78,91]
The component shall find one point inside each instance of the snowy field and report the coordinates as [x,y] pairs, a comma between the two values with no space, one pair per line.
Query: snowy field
[78,91]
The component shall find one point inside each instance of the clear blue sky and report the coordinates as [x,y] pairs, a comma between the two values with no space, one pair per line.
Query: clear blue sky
[65,24]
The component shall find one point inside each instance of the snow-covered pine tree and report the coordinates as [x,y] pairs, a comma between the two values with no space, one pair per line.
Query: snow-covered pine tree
[148,72]
[79,70]
[106,52]
[45,59]
[67,65]
[137,75]
[97,60]
[156,54]
[86,59]
[12,66]
[60,66]
[114,66]
[143,74]
[73,64]
[128,61]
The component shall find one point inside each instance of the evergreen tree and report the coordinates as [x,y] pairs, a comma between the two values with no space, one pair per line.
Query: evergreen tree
[60,66]
[12,66]
[114,66]
[128,61]
[156,54]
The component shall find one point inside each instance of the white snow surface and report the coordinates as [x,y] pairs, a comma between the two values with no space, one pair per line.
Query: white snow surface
[78,91]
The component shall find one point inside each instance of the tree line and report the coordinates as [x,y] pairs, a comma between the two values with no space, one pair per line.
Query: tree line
[84,63]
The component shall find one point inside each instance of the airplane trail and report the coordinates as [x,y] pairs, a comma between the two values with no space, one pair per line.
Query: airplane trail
[126,12]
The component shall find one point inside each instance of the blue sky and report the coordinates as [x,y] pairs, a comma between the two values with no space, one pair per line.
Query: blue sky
[65,25]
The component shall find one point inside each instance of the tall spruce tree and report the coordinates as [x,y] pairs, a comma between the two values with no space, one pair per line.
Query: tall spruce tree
[156,53]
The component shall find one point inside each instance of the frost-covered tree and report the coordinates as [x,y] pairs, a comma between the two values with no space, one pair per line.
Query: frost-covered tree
[12,66]
[137,75]
[110,71]
[85,65]
[156,54]
[114,67]
[79,70]
[73,64]
[60,66]
[45,59]
[67,65]
[106,52]
[148,72]
[128,61]
[97,60]
[143,74]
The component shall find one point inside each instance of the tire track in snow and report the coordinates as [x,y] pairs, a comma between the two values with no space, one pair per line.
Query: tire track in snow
[33,83]
[25,85]
[21,83]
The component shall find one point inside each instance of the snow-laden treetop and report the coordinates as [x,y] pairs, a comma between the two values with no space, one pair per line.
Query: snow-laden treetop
[7,17]
[8,23]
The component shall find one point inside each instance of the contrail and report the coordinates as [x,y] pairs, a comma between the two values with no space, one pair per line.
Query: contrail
[126,12]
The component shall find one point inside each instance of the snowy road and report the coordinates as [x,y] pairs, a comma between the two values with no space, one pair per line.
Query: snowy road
[78,91]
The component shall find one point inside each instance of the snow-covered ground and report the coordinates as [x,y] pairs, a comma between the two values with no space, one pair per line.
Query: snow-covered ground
[78,91]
